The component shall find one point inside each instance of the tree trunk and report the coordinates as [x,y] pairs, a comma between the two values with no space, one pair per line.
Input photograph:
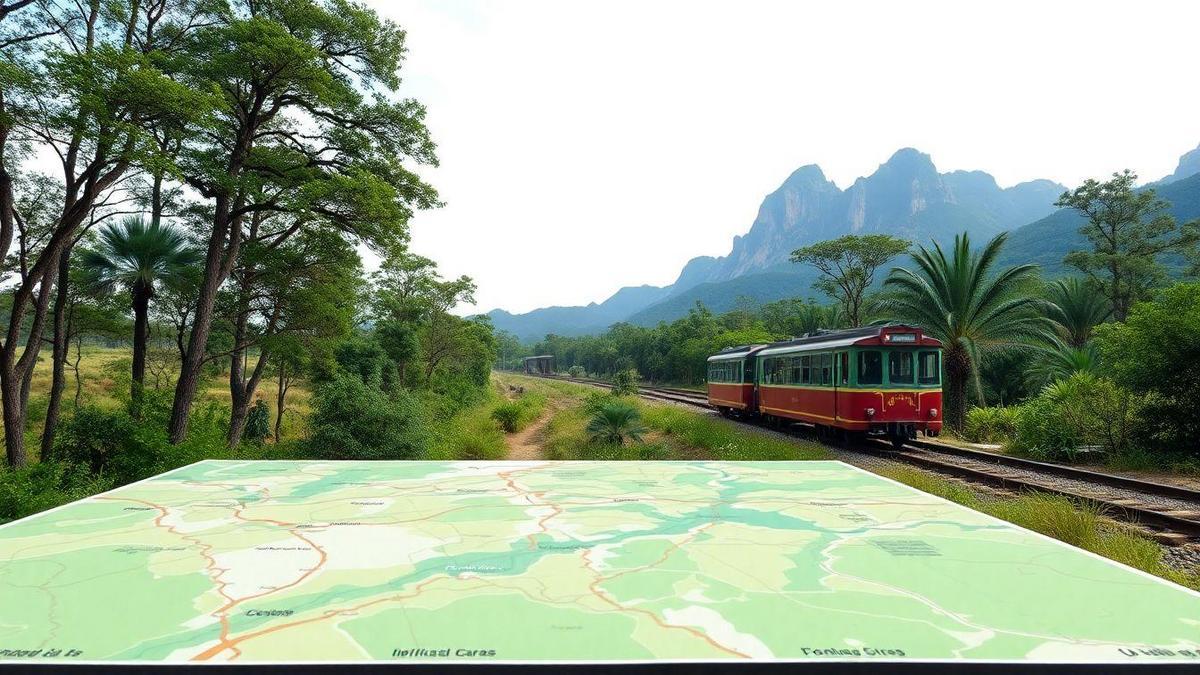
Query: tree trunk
[958,374]
[280,400]
[17,373]
[141,336]
[61,344]
[216,268]
[75,368]
[243,394]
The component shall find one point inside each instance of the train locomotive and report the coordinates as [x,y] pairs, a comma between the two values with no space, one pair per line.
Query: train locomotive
[878,380]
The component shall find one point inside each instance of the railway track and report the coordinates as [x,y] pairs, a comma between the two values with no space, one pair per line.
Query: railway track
[1171,511]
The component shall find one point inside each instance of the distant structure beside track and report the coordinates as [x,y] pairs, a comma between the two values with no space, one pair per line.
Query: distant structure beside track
[539,365]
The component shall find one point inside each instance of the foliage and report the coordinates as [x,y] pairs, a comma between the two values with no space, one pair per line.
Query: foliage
[847,265]
[106,441]
[991,424]
[1128,229]
[515,415]
[616,422]
[625,383]
[1003,375]
[1080,411]
[1060,360]
[576,372]
[1156,353]
[962,302]
[353,420]
[25,491]
[258,423]
[1075,308]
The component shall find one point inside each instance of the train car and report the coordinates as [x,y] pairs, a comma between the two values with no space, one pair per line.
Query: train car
[881,380]
[730,382]
[876,379]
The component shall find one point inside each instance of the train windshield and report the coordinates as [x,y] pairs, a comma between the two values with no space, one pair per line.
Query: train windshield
[900,367]
[870,367]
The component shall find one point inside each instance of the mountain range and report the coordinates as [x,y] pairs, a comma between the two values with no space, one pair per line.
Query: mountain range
[906,196]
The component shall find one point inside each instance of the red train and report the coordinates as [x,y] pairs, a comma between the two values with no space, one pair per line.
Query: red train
[883,380]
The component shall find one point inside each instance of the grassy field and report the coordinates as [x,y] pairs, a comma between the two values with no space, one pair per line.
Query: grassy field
[104,375]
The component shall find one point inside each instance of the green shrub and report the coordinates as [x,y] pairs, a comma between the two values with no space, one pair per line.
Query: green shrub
[576,371]
[1156,353]
[625,383]
[354,420]
[258,423]
[992,424]
[508,415]
[107,442]
[615,423]
[1080,411]
[44,485]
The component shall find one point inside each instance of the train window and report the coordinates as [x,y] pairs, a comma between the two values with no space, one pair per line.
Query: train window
[928,371]
[805,369]
[870,367]
[900,367]
[844,367]
[826,368]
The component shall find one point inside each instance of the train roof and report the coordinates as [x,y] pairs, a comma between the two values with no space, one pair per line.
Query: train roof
[830,339]
[866,335]
[741,351]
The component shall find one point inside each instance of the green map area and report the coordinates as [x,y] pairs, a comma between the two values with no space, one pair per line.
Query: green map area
[576,561]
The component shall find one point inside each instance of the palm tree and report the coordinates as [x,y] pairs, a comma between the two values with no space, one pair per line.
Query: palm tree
[1075,308]
[615,422]
[1060,360]
[962,303]
[133,255]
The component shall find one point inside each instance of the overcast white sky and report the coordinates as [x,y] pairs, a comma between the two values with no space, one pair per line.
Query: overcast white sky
[586,146]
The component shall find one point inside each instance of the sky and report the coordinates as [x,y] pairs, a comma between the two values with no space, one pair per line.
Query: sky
[590,145]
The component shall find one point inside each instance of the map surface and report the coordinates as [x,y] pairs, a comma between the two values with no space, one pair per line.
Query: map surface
[577,561]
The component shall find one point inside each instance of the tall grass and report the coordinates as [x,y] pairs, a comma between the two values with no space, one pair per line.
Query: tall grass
[700,436]
[515,415]
[1073,522]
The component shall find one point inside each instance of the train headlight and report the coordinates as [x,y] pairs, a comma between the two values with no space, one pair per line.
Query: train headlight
[870,412]
[932,413]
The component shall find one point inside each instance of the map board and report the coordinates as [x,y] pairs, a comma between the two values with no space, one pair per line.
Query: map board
[440,562]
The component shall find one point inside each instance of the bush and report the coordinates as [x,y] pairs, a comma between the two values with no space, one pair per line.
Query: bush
[615,423]
[354,420]
[1080,411]
[258,423]
[107,442]
[625,383]
[576,371]
[45,485]
[992,424]
[1156,353]
[509,415]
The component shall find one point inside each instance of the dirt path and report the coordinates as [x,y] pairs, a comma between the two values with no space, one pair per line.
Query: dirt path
[527,444]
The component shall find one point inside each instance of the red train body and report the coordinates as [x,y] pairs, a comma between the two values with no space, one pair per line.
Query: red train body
[879,379]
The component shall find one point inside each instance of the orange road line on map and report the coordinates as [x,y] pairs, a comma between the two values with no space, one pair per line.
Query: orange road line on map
[232,643]
[224,641]
[594,588]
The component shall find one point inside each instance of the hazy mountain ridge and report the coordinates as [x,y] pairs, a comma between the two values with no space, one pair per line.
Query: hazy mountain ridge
[906,196]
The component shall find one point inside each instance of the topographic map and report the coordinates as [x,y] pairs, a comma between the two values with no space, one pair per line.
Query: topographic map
[441,562]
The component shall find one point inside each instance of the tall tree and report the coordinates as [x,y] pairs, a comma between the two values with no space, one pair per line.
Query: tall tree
[88,99]
[961,301]
[133,256]
[848,265]
[305,127]
[1128,230]
[293,286]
